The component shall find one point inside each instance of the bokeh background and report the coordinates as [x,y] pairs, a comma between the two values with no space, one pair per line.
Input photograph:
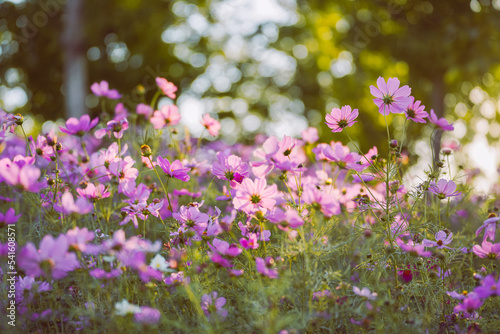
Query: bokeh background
[263,66]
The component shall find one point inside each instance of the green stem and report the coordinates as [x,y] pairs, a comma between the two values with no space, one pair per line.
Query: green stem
[27,141]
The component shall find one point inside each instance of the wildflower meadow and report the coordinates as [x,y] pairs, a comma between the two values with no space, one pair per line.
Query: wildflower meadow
[125,223]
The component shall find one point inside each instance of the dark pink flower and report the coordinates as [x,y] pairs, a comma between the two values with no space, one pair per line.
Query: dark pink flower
[338,119]
[102,89]
[167,115]
[251,242]
[93,192]
[441,122]
[489,226]
[390,98]
[105,275]
[41,148]
[166,87]
[175,170]
[470,304]
[343,158]
[79,127]
[415,111]
[321,200]
[489,287]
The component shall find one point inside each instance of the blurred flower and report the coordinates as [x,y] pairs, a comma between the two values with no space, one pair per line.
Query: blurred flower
[113,126]
[390,98]
[102,89]
[160,263]
[144,109]
[489,287]
[79,127]
[52,260]
[211,305]
[310,135]
[124,308]
[441,122]
[487,250]
[212,125]
[166,116]
[266,267]
[9,217]
[69,205]
[469,304]
[489,226]
[147,316]
[166,87]
[413,249]
[365,292]
[338,119]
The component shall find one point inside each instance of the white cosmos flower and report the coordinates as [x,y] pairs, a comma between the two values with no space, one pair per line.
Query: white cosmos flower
[124,308]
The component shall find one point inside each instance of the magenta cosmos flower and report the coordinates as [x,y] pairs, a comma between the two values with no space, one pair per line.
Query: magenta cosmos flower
[338,119]
[489,226]
[253,196]
[444,189]
[166,87]
[147,316]
[167,115]
[489,287]
[102,89]
[441,122]
[230,168]
[51,260]
[211,305]
[113,126]
[390,98]
[415,111]
[442,239]
[176,169]
[211,124]
[487,250]
[470,304]
[79,127]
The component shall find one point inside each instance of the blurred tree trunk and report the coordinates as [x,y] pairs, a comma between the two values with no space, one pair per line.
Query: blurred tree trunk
[438,93]
[75,65]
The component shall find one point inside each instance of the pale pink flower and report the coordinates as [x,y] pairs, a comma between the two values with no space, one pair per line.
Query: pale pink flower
[166,87]
[338,119]
[390,98]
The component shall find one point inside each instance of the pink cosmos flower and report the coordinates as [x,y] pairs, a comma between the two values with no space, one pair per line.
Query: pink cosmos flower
[487,250]
[442,239]
[415,111]
[177,279]
[69,205]
[52,260]
[211,305]
[79,238]
[211,124]
[27,288]
[310,135]
[166,87]
[166,116]
[489,226]
[338,119]
[365,292]
[175,170]
[342,157]
[285,219]
[103,274]
[10,121]
[320,200]
[266,267]
[251,242]
[144,109]
[230,168]
[444,189]
[20,174]
[9,217]
[284,154]
[93,192]
[79,127]
[390,98]
[441,122]
[41,148]
[102,89]
[413,249]
[115,127]
[253,196]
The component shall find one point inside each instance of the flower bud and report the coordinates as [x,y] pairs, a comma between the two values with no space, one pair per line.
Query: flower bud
[394,143]
[59,147]
[19,119]
[146,150]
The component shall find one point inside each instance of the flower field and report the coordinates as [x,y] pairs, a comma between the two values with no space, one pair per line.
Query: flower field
[125,223]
